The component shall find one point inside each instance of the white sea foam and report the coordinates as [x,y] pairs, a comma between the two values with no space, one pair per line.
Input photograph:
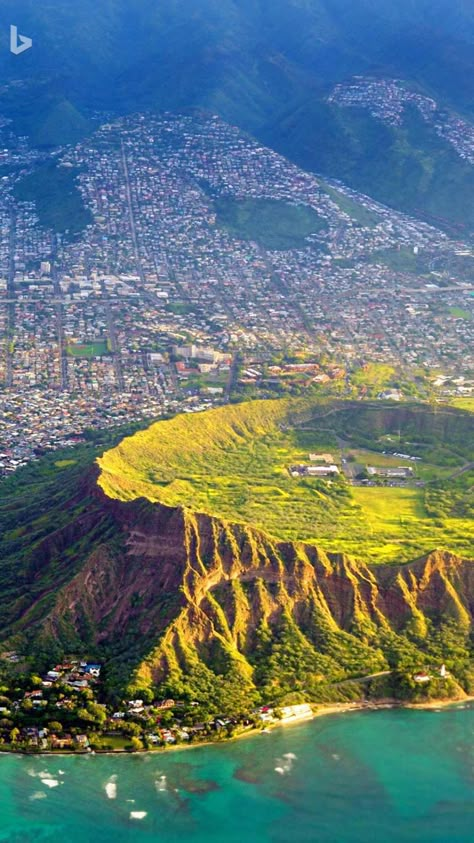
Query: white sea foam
[111,788]
[138,815]
[285,764]
[39,794]
[50,782]
[161,784]
[42,774]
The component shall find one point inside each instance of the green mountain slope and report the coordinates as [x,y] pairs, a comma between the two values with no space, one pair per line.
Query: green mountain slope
[268,67]
[407,167]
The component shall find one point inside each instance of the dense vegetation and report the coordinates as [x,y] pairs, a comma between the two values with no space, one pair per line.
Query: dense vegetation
[284,662]
[407,167]
[37,501]
[272,224]
[58,202]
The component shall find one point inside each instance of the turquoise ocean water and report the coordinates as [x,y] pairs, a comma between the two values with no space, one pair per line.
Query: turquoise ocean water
[366,777]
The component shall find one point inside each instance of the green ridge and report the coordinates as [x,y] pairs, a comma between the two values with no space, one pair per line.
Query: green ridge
[233,462]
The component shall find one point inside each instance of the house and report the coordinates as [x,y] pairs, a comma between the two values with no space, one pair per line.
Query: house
[314,470]
[93,670]
[422,677]
[168,736]
[53,675]
[64,742]
[34,695]
[390,395]
[165,704]
[397,473]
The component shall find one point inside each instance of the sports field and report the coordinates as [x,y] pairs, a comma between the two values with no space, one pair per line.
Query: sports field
[88,350]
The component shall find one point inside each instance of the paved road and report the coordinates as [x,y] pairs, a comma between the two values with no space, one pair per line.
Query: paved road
[468,467]
[361,678]
[62,345]
[11,311]
[114,346]
[131,214]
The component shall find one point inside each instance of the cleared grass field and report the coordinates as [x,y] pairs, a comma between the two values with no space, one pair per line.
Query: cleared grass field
[233,462]
[88,350]
[459,313]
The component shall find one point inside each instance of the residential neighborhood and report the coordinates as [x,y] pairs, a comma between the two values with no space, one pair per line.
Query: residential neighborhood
[158,306]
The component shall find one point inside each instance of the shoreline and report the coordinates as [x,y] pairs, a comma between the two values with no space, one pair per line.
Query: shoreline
[324,710]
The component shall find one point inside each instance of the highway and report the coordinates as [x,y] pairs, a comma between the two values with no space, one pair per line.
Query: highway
[58,303]
[114,346]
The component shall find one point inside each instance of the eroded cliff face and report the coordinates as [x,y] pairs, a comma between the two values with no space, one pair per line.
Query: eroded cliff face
[184,582]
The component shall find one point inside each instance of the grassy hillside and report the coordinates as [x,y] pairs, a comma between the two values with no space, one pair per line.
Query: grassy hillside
[234,463]
[407,167]
[272,224]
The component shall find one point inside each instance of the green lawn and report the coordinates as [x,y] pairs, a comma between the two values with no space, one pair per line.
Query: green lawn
[459,313]
[421,470]
[402,260]
[233,462]
[357,212]
[88,350]
[464,404]
[180,308]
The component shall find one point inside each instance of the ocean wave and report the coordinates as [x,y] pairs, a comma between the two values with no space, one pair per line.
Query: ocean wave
[38,794]
[111,787]
[285,764]
[161,784]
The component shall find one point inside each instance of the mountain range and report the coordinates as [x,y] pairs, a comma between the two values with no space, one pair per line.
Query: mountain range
[267,67]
